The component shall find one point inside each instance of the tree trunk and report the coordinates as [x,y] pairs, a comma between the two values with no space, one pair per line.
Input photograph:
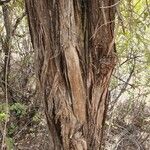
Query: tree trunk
[75,56]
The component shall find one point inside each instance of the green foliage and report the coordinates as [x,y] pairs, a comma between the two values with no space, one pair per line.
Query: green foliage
[3,115]
[37,118]
[19,4]
[3,107]
[12,128]
[9,143]
[19,109]
[147,56]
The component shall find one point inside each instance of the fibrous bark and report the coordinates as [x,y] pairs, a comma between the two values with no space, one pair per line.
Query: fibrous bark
[75,57]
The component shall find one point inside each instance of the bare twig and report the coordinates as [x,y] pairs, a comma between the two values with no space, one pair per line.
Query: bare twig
[123,81]
[110,6]
[123,89]
[96,31]
[103,12]
[18,22]
[113,40]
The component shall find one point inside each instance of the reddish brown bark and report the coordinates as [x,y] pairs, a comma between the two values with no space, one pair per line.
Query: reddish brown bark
[74,62]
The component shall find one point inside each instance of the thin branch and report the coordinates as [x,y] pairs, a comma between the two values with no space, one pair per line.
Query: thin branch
[103,13]
[18,22]
[123,81]
[120,18]
[110,6]
[148,7]
[130,58]
[113,40]
[94,35]
[123,89]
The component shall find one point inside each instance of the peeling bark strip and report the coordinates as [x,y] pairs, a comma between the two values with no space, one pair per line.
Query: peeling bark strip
[74,64]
